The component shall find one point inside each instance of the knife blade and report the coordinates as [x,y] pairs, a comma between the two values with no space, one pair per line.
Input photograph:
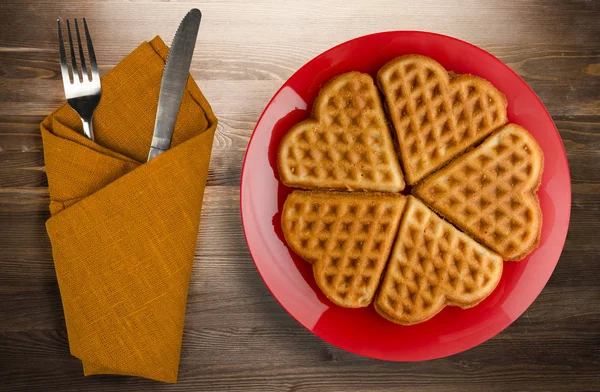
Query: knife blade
[174,79]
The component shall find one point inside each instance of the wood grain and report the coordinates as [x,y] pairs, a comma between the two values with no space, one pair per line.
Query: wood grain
[237,338]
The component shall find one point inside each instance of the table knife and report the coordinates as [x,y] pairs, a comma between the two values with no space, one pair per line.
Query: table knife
[174,79]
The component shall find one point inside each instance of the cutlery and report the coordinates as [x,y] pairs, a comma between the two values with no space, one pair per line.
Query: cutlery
[82,90]
[174,79]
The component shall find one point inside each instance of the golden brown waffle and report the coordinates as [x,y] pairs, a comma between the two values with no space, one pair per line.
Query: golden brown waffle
[437,116]
[347,143]
[490,192]
[346,236]
[432,265]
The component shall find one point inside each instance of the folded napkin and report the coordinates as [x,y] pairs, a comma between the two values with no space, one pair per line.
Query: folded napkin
[124,231]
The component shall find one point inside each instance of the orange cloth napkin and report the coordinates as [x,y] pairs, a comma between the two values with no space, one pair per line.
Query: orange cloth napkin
[124,231]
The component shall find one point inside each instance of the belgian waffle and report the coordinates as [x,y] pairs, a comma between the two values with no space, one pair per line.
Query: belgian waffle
[345,145]
[346,236]
[432,265]
[490,192]
[437,116]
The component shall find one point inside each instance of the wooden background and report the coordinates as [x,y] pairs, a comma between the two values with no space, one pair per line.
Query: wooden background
[236,335]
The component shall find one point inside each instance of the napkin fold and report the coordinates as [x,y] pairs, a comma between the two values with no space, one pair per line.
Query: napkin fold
[123,231]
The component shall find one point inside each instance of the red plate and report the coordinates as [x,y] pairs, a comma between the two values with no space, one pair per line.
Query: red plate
[363,331]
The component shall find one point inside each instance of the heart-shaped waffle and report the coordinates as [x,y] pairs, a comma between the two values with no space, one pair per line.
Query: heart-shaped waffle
[347,143]
[490,192]
[346,236]
[432,265]
[437,116]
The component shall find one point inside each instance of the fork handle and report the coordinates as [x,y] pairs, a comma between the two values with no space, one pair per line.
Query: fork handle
[88,129]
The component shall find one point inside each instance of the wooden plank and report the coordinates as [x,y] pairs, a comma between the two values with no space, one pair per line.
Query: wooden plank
[224,275]
[22,156]
[565,78]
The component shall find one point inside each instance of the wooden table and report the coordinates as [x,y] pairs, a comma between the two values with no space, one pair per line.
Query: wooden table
[236,335]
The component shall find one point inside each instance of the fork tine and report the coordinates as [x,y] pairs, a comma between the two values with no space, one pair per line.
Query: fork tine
[91,54]
[63,57]
[84,73]
[76,78]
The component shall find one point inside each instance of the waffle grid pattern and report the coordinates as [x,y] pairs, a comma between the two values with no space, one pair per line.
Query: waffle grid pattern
[346,237]
[434,264]
[437,117]
[347,146]
[490,192]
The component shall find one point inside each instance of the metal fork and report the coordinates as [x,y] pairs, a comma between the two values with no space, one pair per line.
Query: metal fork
[82,90]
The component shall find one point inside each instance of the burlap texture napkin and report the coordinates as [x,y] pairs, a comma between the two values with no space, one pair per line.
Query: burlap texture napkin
[124,231]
